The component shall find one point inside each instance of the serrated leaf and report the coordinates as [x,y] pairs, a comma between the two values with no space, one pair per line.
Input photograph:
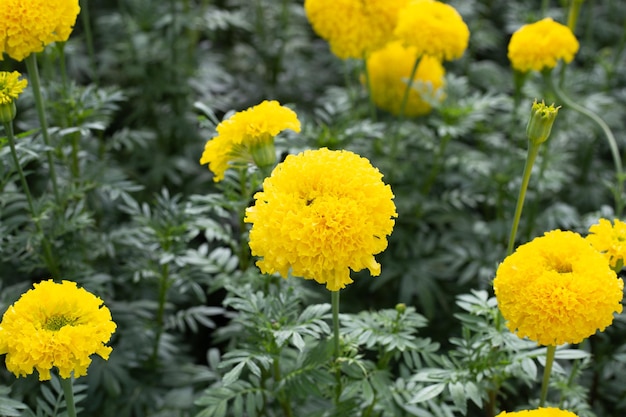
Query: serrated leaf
[233,375]
[427,393]
[457,392]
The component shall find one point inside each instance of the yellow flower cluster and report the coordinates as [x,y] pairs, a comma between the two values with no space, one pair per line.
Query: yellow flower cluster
[609,239]
[433,28]
[354,28]
[557,289]
[389,69]
[11,86]
[248,129]
[55,325]
[541,45]
[27,26]
[320,214]
[540,412]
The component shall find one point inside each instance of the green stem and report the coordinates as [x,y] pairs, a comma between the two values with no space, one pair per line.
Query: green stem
[164,285]
[574,11]
[84,13]
[551,350]
[368,85]
[405,98]
[533,150]
[244,248]
[284,401]
[612,142]
[68,392]
[33,73]
[49,259]
[337,346]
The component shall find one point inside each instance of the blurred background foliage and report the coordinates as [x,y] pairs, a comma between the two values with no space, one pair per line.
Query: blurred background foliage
[141,223]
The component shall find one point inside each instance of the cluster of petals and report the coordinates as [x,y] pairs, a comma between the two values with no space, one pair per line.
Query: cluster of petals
[354,28]
[610,240]
[11,86]
[433,28]
[246,129]
[389,69]
[540,45]
[557,289]
[55,325]
[321,214]
[540,412]
[27,26]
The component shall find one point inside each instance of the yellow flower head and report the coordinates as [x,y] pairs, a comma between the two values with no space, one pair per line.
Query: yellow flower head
[389,69]
[250,130]
[10,86]
[540,412]
[320,214]
[27,26]
[541,45]
[609,240]
[354,28]
[557,289]
[433,28]
[55,325]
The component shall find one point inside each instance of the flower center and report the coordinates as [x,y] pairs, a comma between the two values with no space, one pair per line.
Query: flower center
[55,323]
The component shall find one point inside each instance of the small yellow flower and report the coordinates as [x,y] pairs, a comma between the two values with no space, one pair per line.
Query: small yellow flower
[320,214]
[540,123]
[10,89]
[610,240]
[389,69]
[250,132]
[541,45]
[354,28]
[433,28]
[55,325]
[540,412]
[27,26]
[557,289]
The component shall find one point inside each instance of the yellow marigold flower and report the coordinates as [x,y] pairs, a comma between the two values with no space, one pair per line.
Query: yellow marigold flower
[252,131]
[55,325]
[609,239]
[540,45]
[433,28]
[320,214]
[354,28]
[10,88]
[540,412]
[389,69]
[27,26]
[557,289]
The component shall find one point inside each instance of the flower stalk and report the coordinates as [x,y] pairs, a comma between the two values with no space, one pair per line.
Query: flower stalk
[336,343]
[68,393]
[550,352]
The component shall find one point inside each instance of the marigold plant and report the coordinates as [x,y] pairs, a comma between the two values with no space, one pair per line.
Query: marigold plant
[557,289]
[609,239]
[55,325]
[354,28]
[540,412]
[389,69]
[433,28]
[247,131]
[540,45]
[27,26]
[320,214]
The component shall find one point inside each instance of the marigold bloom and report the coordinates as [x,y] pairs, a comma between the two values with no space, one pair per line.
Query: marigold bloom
[389,69]
[251,130]
[433,28]
[320,214]
[609,239]
[55,325]
[10,88]
[353,28]
[540,412]
[27,26]
[541,45]
[557,289]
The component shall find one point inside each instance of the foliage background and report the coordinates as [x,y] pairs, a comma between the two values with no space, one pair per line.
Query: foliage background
[141,223]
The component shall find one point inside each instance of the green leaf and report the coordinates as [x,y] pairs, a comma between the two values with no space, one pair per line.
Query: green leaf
[233,375]
[428,393]
[457,392]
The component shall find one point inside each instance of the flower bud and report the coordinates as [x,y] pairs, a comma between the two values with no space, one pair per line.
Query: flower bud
[540,123]
[264,153]
[400,308]
[7,112]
